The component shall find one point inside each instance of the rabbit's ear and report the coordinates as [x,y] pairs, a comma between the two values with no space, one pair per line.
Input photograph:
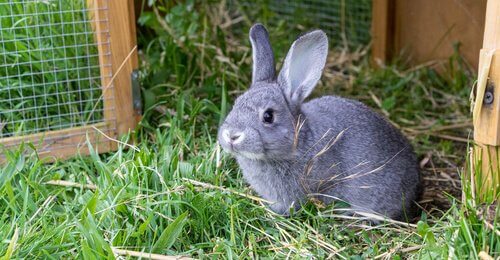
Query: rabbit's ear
[262,54]
[303,66]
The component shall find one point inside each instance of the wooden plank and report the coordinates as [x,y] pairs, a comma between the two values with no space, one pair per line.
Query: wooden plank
[426,30]
[133,33]
[117,47]
[487,115]
[124,61]
[99,16]
[487,122]
[382,30]
[63,143]
[134,57]
[491,40]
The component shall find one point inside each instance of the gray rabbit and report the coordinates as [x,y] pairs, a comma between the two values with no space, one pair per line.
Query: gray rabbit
[329,148]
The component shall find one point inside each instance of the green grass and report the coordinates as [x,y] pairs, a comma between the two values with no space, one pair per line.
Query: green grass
[49,67]
[175,193]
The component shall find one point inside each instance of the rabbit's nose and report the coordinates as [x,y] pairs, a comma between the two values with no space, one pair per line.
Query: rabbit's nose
[233,137]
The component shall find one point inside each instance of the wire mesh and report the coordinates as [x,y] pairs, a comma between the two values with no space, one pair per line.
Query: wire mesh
[50,71]
[347,22]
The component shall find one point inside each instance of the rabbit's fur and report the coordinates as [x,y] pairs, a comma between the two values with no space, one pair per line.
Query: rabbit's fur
[329,148]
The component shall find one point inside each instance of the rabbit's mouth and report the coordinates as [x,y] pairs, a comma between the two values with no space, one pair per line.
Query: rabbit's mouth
[231,149]
[251,156]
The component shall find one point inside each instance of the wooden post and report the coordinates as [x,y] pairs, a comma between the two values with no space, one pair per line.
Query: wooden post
[99,17]
[487,110]
[123,41]
[116,37]
[382,30]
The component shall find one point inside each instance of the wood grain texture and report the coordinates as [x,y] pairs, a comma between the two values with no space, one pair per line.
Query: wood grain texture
[492,29]
[62,144]
[487,123]
[426,30]
[99,14]
[123,41]
[382,31]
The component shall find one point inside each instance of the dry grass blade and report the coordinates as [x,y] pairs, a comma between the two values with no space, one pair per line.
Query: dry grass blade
[452,138]
[384,219]
[138,254]
[427,128]
[210,186]
[490,226]
[71,184]
[326,148]
[433,133]
[44,206]
[298,126]
[115,140]
[410,249]
[330,143]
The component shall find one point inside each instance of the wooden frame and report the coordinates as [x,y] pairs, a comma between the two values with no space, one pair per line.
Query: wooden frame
[382,30]
[426,31]
[114,26]
[487,110]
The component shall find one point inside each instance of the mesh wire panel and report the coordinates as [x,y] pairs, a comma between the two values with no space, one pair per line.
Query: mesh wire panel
[347,22]
[49,66]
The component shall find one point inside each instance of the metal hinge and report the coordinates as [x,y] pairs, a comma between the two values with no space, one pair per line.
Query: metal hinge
[136,92]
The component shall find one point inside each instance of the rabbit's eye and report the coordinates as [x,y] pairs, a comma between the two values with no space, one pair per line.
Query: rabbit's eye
[268,117]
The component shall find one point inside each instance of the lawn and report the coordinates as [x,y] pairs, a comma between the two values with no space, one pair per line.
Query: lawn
[174,192]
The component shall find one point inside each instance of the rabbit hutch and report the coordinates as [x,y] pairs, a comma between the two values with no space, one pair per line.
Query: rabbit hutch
[67,74]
